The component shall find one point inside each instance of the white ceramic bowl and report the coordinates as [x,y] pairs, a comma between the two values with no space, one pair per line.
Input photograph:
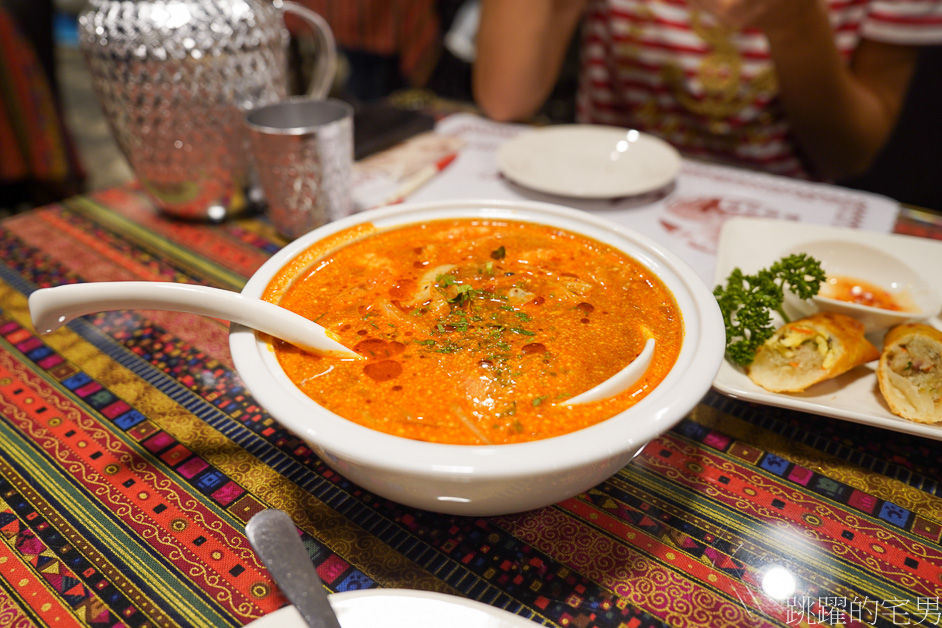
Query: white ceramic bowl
[860,261]
[501,479]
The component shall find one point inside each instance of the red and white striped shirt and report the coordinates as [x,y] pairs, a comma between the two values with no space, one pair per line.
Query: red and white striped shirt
[657,66]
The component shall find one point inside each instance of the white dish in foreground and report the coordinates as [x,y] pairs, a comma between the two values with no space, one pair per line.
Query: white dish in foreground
[401,608]
[589,161]
[754,243]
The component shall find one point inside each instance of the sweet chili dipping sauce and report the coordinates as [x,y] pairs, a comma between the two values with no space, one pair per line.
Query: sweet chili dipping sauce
[475,330]
[862,292]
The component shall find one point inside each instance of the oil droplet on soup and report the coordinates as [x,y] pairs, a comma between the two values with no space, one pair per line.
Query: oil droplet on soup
[477,335]
[383,371]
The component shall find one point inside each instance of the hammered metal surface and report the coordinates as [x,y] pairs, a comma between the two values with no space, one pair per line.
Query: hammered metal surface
[306,177]
[174,78]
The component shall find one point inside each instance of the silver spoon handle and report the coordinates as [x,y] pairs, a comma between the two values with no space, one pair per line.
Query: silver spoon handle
[275,539]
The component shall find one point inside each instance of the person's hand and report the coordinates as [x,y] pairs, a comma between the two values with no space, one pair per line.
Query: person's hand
[765,15]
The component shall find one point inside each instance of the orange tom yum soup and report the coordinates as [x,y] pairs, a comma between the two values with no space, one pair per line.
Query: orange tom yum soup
[474,330]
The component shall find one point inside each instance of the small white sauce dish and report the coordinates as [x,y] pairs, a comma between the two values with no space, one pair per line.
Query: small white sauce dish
[853,260]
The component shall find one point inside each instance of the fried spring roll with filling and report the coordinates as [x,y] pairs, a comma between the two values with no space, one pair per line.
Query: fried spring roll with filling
[910,372]
[811,350]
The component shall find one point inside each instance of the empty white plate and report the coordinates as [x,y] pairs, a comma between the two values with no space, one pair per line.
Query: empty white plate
[589,161]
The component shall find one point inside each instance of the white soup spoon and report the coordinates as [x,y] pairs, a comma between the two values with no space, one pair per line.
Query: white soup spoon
[618,382]
[51,308]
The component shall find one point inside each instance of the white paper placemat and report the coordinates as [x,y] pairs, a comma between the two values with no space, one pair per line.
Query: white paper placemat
[686,217]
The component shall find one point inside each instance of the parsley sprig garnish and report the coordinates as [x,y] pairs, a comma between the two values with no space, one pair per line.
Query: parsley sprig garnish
[747,301]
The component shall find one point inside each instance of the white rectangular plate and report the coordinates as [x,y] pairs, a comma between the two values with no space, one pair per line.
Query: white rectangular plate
[754,243]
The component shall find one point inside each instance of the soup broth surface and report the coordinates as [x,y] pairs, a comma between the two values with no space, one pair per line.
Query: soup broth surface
[475,330]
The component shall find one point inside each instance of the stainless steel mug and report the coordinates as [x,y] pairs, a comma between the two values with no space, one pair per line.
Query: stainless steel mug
[303,153]
[175,77]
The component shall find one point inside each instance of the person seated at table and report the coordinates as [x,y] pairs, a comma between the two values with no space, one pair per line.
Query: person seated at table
[804,88]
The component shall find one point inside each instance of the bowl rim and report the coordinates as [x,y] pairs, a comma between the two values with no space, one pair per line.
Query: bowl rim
[336,437]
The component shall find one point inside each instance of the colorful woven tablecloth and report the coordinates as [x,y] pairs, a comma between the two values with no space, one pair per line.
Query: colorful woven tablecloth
[131,457]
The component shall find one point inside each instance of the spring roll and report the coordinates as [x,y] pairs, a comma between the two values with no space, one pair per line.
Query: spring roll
[811,350]
[910,372]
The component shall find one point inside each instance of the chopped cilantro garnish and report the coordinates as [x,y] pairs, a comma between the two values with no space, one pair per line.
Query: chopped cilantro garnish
[446,280]
[465,294]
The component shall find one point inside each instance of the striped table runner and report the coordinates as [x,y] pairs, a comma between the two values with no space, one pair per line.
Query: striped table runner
[131,457]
